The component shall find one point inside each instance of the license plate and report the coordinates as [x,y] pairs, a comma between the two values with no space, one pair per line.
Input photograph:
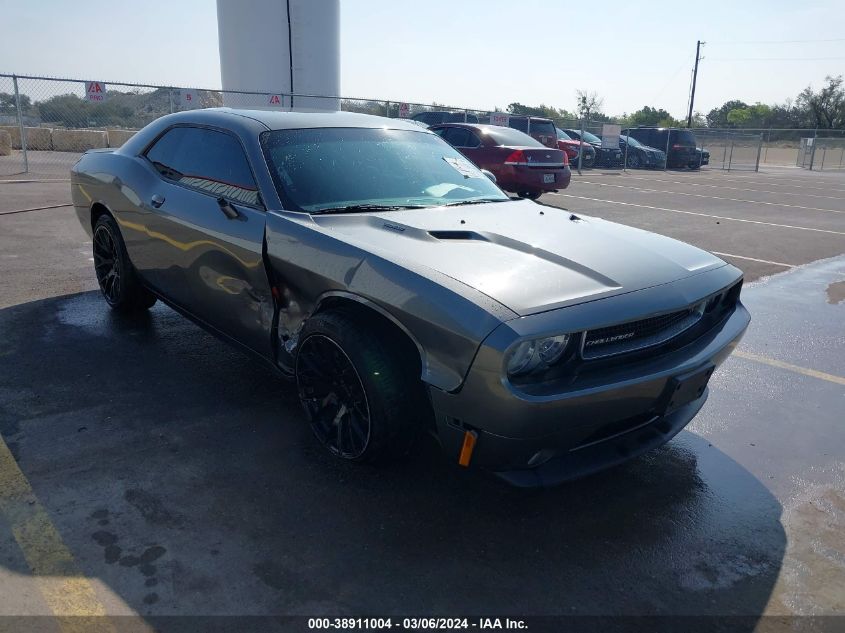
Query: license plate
[686,388]
[547,178]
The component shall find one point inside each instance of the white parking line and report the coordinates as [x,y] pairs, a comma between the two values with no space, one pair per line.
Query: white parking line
[753,259]
[701,184]
[705,215]
[701,195]
[769,181]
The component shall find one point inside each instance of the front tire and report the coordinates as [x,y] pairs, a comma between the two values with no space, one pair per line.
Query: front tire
[117,278]
[634,161]
[361,392]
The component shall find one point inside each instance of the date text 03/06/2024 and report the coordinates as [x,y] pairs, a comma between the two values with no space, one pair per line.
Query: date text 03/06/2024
[416,624]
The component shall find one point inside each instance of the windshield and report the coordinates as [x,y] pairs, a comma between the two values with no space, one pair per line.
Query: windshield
[333,168]
[562,136]
[632,141]
[589,137]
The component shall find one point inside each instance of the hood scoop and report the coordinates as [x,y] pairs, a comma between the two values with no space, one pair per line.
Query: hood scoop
[458,235]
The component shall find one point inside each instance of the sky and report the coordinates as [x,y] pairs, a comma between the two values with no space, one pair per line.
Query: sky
[470,53]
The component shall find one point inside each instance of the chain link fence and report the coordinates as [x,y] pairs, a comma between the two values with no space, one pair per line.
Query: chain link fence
[822,153]
[46,123]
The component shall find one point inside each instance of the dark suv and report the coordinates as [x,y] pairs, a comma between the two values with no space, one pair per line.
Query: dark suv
[540,129]
[681,144]
[435,117]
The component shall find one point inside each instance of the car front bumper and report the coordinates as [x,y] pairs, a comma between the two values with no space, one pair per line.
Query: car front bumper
[609,158]
[562,434]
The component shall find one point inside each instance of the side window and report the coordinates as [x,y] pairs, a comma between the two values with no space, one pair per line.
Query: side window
[212,162]
[472,139]
[457,136]
[441,131]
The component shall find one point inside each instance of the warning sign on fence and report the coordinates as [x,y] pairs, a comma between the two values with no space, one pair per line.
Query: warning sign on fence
[275,101]
[500,118]
[95,91]
[188,98]
[404,110]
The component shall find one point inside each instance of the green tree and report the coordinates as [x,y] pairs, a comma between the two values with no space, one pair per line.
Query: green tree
[758,115]
[647,116]
[8,106]
[827,106]
[718,117]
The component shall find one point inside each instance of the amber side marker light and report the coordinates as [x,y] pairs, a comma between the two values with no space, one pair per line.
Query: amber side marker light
[470,437]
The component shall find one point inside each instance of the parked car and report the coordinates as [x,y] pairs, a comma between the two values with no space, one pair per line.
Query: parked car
[681,143]
[433,117]
[701,158]
[605,156]
[403,291]
[573,149]
[540,129]
[641,156]
[520,164]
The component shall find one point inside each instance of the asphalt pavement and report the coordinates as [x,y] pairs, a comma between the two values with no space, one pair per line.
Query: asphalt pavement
[150,469]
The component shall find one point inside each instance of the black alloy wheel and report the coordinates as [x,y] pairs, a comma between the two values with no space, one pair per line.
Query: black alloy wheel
[634,160]
[116,276]
[107,264]
[334,397]
[530,195]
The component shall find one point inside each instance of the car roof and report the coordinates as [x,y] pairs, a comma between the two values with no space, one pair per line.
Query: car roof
[276,120]
[530,116]
[461,124]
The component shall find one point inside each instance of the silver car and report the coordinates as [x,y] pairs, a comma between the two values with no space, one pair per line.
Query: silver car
[404,292]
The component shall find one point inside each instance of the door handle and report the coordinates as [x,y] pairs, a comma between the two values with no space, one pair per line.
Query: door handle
[227,209]
[157,200]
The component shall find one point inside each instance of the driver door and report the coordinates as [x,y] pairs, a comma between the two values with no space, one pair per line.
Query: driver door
[204,227]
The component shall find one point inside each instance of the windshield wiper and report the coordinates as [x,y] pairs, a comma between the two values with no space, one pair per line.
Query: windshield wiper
[360,208]
[476,201]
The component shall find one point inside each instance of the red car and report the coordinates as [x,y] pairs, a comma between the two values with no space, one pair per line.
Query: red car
[521,164]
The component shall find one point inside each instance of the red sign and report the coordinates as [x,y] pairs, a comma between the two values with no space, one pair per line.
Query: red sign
[95,91]
[275,101]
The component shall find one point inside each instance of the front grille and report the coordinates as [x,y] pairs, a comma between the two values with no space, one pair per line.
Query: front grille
[634,335]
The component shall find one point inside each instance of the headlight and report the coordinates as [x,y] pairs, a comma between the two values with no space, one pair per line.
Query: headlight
[530,355]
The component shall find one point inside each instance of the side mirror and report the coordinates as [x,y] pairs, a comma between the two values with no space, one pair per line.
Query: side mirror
[489,174]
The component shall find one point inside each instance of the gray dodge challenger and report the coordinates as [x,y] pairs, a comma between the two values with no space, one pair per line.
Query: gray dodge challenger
[368,261]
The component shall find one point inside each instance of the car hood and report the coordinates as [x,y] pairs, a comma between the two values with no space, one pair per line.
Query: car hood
[527,257]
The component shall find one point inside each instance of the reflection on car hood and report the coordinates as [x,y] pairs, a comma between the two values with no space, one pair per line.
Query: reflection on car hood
[526,256]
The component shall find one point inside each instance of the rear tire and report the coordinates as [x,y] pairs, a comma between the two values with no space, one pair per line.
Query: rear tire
[115,274]
[531,195]
[634,161]
[362,394]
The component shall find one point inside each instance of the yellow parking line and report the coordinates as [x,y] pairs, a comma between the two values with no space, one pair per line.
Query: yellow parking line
[67,592]
[813,373]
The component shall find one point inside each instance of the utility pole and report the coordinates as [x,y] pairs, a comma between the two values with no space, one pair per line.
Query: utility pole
[694,77]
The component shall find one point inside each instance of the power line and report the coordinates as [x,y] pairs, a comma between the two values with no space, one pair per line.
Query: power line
[772,59]
[835,39]
[672,78]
